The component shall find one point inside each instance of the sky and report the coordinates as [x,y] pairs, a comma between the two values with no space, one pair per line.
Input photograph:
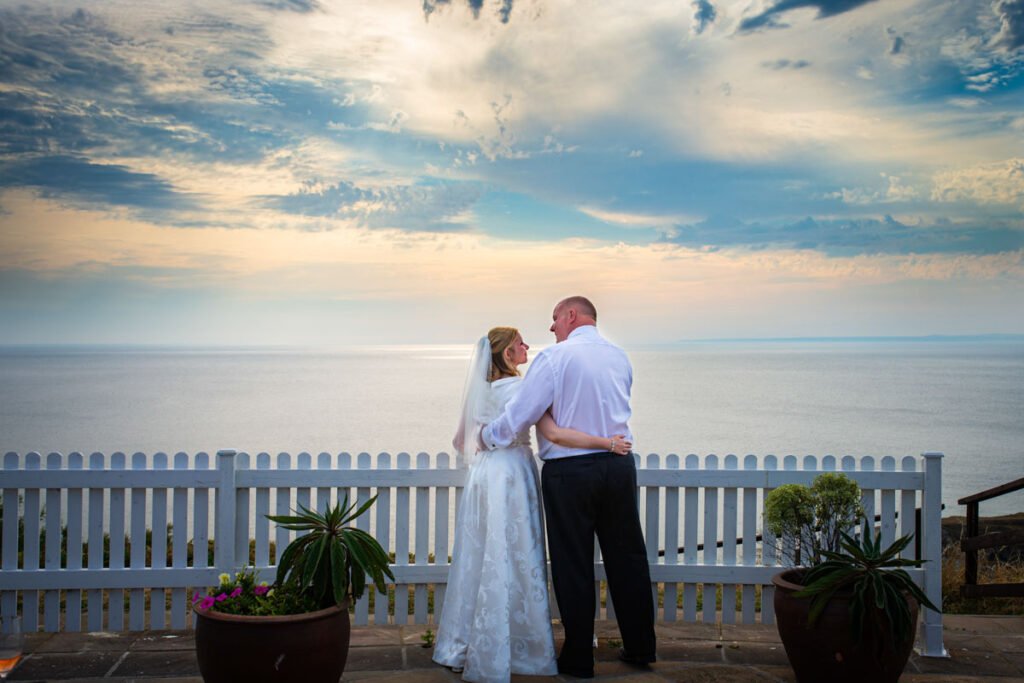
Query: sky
[417,171]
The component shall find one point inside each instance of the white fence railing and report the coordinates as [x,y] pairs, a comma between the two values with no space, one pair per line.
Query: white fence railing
[701,518]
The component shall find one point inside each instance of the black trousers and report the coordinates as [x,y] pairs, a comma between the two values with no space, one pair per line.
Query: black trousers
[584,495]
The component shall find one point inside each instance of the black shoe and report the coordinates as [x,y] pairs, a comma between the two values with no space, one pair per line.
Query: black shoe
[638,660]
[578,673]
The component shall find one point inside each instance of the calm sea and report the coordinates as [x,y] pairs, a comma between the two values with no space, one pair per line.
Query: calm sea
[965,399]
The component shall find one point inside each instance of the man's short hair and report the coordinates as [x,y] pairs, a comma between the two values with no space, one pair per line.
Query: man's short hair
[582,305]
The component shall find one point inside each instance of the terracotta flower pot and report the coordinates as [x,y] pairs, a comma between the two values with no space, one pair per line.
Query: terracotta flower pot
[311,647]
[828,651]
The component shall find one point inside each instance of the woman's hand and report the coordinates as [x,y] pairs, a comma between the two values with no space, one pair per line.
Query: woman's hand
[620,445]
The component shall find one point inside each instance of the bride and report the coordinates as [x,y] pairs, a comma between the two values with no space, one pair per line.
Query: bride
[496,620]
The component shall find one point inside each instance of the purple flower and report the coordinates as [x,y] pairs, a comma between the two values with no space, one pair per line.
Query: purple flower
[260,590]
[207,602]
[222,597]
[235,593]
[196,598]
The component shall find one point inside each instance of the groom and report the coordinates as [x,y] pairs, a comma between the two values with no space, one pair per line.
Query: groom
[585,381]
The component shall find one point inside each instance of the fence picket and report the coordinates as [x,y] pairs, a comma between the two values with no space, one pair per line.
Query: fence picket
[261,525]
[383,536]
[710,540]
[422,536]
[137,548]
[158,596]
[750,531]
[690,519]
[282,506]
[769,557]
[363,494]
[908,514]
[11,515]
[94,597]
[201,519]
[440,549]
[729,536]
[888,503]
[53,512]
[302,493]
[653,518]
[242,495]
[323,493]
[671,539]
[75,524]
[867,498]
[402,528]
[30,599]
[179,543]
[118,511]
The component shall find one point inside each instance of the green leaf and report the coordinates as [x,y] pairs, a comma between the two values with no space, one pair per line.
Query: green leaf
[365,506]
[339,572]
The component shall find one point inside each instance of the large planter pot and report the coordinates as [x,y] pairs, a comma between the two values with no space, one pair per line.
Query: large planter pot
[307,648]
[828,651]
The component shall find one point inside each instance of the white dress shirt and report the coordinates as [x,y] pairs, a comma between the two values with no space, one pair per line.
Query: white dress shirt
[585,380]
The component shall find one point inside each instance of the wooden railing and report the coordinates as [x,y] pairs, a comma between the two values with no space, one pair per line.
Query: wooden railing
[973,541]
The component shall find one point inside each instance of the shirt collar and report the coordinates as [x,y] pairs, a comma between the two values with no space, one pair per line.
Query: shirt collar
[583,330]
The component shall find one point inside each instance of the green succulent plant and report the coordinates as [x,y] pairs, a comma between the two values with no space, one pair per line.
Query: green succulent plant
[331,561]
[875,580]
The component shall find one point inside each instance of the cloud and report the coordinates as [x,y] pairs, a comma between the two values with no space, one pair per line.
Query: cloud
[503,12]
[896,191]
[300,6]
[966,102]
[1011,25]
[847,237]
[993,183]
[704,14]
[826,8]
[439,207]
[781,64]
[634,220]
[94,183]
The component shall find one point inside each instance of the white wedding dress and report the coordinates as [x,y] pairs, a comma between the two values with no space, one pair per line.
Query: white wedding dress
[496,620]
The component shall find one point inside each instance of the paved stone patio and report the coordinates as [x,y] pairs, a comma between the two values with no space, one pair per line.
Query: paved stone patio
[982,649]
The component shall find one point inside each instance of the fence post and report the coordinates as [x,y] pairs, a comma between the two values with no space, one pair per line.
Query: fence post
[224,541]
[931,529]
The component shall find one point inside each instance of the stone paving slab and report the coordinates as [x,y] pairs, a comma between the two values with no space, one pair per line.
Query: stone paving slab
[165,640]
[165,663]
[64,665]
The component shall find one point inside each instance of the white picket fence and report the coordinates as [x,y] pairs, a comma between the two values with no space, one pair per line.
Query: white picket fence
[688,505]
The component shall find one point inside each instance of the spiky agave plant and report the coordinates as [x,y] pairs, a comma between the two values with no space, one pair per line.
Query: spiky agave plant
[331,561]
[875,581]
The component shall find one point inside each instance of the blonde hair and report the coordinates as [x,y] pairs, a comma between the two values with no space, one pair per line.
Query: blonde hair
[501,338]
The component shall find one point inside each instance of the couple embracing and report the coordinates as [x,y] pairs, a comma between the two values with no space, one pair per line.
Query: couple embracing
[496,620]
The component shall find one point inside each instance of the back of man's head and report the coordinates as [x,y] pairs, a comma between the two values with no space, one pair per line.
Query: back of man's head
[582,306]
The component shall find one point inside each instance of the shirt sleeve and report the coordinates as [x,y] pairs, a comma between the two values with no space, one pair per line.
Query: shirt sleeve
[535,395]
